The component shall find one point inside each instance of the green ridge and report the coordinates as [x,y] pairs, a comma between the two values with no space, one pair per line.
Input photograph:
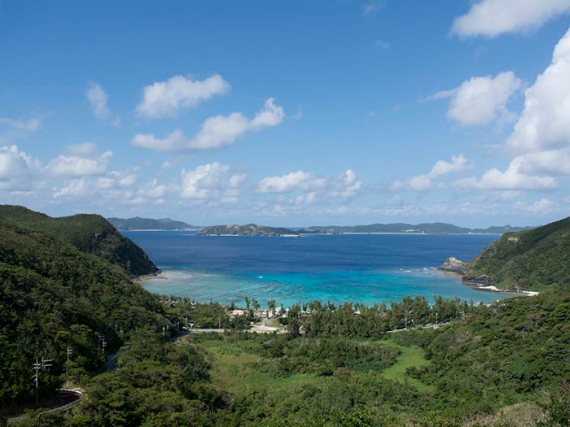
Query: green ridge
[91,234]
[528,260]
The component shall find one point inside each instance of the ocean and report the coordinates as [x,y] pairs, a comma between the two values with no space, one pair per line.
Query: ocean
[364,268]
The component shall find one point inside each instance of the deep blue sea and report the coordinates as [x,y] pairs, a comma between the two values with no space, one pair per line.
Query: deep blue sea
[366,268]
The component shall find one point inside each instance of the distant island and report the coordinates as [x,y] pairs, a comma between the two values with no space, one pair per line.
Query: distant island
[426,228]
[138,223]
[247,230]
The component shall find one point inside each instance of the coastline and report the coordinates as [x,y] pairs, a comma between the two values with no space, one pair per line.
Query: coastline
[158,275]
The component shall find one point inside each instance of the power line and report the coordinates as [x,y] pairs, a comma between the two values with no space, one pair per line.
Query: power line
[45,363]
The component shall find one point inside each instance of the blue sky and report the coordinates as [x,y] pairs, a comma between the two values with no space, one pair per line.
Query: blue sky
[288,112]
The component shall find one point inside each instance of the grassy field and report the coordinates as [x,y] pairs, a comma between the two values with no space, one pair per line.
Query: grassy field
[410,357]
[236,369]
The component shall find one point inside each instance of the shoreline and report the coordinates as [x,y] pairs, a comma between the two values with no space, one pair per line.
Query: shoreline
[158,275]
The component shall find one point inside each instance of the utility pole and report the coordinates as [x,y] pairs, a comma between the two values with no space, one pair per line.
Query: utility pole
[69,352]
[45,363]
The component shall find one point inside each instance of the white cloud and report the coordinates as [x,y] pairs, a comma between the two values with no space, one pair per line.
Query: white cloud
[481,100]
[17,169]
[373,7]
[98,100]
[542,207]
[298,115]
[213,182]
[541,138]
[544,123]
[11,129]
[491,18]
[80,160]
[441,168]
[216,132]
[76,188]
[315,189]
[291,182]
[511,179]
[30,125]
[165,99]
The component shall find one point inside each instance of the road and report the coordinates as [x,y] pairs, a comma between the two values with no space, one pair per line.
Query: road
[67,398]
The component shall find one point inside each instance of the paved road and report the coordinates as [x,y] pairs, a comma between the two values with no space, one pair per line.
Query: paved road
[67,397]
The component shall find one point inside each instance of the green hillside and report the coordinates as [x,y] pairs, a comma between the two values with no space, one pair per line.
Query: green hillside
[91,234]
[528,260]
[54,296]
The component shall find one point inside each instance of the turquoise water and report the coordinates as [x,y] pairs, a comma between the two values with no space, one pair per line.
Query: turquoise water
[360,268]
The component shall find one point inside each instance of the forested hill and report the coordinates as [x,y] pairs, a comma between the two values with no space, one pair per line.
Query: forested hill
[54,296]
[91,234]
[528,260]
[138,223]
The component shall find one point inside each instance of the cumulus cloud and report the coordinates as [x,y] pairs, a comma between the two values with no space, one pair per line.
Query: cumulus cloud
[491,18]
[213,182]
[76,188]
[512,179]
[544,122]
[303,181]
[540,141]
[481,100]
[314,188]
[17,169]
[216,132]
[80,160]
[165,99]
[98,98]
[541,207]
[441,168]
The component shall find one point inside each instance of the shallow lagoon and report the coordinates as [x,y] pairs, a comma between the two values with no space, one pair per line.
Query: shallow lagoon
[368,268]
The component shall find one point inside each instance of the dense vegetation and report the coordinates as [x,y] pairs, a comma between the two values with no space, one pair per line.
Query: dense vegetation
[528,260]
[91,234]
[244,230]
[138,223]
[334,364]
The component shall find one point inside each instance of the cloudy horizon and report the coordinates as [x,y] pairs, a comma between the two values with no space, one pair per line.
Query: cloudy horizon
[289,113]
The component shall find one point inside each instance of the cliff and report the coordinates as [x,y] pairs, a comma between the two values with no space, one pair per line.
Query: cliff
[528,260]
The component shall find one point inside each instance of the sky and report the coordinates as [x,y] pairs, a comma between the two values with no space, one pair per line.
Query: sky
[288,112]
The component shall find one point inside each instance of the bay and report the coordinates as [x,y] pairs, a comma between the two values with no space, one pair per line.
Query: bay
[367,268]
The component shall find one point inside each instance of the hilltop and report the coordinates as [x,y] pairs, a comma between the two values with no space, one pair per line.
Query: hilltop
[535,259]
[90,234]
[245,230]
[138,223]
[427,228]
